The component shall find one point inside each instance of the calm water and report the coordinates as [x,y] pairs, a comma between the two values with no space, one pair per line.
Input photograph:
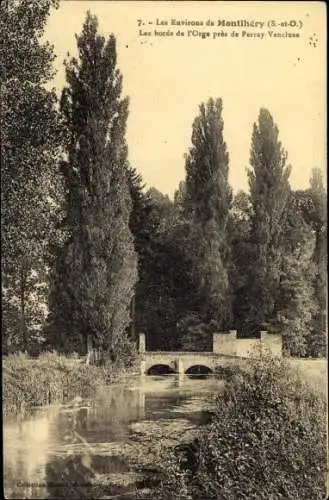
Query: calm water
[55,452]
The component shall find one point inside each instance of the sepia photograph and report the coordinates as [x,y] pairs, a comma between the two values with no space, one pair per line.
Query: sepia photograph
[164,250]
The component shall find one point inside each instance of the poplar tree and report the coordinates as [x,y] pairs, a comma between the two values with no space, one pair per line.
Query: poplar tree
[207,198]
[98,263]
[269,194]
[282,291]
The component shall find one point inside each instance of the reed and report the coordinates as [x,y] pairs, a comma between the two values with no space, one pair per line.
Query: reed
[51,377]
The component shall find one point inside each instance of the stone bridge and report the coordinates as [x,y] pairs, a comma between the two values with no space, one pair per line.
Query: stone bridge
[227,350]
[184,362]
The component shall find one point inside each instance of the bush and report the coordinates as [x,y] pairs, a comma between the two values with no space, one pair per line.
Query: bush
[166,475]
[226,372]
[267,438]
[50,377]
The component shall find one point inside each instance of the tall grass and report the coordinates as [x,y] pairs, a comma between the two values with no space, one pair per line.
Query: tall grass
[51,377]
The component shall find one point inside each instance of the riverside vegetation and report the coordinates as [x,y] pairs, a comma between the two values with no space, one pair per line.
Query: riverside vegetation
[266,439]
[263,437]
[29,382]
[90,257]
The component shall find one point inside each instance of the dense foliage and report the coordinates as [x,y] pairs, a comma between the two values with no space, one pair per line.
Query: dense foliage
[87,247]
[312,204]
[90,258]
[31,138]
[32,382]
[206,201]
[164,284]
[274,273]
[97,266]
[239,229]
[267,439]
[269,194]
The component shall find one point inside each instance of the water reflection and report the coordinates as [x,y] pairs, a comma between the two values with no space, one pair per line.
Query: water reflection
[76,450]
[26,445]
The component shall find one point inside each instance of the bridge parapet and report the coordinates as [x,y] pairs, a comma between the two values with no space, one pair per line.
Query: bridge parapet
[179,353]
[226,344]
[229,344]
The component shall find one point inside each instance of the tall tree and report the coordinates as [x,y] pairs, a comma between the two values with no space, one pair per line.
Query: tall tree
[296,304]
[312,203]
[143,225]
[99,258]
[31,136]
[203,203]
[269,191]
[318,340]
[163,281]
[207,199]
[161,269]
[239,228]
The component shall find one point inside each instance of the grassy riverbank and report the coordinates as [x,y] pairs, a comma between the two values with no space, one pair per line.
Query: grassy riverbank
[51,377]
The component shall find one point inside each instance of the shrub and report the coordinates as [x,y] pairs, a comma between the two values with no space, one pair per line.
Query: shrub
[50,377]
[266,440]
[226,372]
[166,475]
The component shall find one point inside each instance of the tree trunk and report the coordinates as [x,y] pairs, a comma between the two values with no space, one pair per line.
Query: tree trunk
[22,298]
[89,350]
[133,308]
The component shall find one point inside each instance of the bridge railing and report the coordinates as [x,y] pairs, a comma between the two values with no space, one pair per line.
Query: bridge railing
[225,344]
[180,354]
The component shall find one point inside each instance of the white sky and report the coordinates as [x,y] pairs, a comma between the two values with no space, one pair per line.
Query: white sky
[167,78]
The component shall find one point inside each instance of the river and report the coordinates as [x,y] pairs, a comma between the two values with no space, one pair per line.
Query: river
[92,448]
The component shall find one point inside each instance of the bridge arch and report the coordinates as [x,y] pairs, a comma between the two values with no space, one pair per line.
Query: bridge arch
[160,369]
[198,369]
